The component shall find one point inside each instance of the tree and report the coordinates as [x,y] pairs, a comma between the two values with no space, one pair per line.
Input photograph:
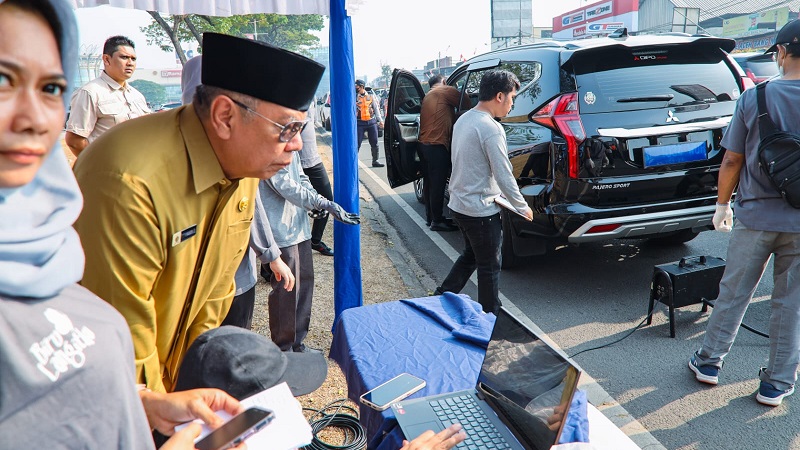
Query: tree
[154,93]
[289,32]
[386,70]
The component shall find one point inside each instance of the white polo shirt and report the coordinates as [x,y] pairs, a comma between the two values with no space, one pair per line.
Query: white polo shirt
[102,103]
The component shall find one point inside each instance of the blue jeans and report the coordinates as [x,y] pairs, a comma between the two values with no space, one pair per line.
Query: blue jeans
[748,254]
[482,239]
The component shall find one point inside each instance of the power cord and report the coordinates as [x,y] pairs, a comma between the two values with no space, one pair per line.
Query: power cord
[355,437]
[705,301]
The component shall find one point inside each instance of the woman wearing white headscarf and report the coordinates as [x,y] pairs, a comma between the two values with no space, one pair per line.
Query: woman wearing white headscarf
[66,356]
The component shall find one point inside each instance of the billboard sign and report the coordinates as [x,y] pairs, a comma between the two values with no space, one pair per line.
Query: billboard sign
[603,27]
[512,18]
[598,11]
[755,23]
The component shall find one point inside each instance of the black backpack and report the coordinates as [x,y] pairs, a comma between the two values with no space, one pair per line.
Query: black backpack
[778,153]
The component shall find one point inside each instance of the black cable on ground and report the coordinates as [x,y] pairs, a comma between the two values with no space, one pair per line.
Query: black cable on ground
[743,325]
[707,302]
[355,438]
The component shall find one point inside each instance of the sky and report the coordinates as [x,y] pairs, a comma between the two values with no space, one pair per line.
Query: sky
[400,33]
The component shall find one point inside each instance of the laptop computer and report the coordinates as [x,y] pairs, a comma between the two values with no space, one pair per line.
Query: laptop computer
[522,396]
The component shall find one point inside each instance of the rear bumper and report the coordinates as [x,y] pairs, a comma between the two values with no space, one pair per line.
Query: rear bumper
[697,218]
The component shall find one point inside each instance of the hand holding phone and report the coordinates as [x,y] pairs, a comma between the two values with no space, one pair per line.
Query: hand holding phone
[392,391]
[236,430]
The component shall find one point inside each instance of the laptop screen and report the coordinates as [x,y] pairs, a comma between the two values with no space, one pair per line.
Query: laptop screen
[528,383]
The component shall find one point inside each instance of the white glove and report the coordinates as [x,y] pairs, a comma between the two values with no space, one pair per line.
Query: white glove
[723,218]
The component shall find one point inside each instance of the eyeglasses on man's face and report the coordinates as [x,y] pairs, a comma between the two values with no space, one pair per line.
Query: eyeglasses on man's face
[288,131]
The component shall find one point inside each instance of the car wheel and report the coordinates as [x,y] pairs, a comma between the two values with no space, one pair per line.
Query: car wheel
[418,184]
[678,237]
[509,258]
[328,124]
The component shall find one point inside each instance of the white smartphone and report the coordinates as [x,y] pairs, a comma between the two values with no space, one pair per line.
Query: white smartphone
[392,391]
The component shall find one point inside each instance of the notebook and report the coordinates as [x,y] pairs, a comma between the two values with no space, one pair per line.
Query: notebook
[520,401]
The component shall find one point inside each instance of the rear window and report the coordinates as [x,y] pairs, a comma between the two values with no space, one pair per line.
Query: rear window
[761,67]
[621,79]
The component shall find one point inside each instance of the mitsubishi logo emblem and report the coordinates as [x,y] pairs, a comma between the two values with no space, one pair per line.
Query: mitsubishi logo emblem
[671,117]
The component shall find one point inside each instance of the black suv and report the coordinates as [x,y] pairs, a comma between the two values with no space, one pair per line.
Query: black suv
[613,137]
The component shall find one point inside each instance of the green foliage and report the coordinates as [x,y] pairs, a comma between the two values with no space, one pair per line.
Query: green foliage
[289,32]
[386,71]
[154,93]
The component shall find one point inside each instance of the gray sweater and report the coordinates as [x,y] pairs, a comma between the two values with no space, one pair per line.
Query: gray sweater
[481,168]
[287,197]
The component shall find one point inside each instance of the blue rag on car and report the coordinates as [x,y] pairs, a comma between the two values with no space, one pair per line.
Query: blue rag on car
[458,313]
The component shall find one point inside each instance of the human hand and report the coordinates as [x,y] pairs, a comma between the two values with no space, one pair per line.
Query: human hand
[444,440]
[165,411]
[341,215]
[528,214]
[723,218]
[184,439]
[282,272]
[554,421]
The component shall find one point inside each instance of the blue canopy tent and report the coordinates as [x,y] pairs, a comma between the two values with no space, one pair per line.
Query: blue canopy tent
[347,259]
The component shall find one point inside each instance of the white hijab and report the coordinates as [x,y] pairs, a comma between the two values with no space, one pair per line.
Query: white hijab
[40,252]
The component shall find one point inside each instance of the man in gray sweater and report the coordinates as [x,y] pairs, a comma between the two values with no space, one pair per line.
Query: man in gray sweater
[481,173]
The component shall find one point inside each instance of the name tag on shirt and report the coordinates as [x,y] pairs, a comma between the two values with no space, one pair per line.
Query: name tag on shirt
[183,235]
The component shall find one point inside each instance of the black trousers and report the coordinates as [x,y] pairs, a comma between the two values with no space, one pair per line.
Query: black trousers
[318,177]
[483,237]
[290,311]
[241,312]
[371,127]
[436,170]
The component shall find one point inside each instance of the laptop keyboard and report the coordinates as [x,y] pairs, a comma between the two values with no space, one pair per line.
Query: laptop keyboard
[481,433]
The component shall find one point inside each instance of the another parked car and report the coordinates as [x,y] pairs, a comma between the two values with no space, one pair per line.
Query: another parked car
[756,65]
[614,137]
[324,111]
[170,105]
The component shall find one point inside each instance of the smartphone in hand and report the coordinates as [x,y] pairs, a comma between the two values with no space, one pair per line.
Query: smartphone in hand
[236,430]
[392,391]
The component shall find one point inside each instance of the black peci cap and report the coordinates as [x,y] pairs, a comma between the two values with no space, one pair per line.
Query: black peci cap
[788,34]
[260,70]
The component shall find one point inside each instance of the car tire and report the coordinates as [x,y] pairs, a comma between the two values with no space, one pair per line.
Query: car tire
[676,238]
[418,185]
[509,258]
[328,124]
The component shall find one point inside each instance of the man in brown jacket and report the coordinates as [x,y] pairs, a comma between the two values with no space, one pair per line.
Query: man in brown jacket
[435,129]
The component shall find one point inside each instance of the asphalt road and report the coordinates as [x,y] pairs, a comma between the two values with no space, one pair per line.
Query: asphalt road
[589,295]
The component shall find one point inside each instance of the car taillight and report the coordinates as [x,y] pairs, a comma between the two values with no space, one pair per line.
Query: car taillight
[562,115]
[749,80]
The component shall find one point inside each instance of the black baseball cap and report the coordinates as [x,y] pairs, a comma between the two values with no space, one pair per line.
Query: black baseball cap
[360,83]
[788,34]
[243,363]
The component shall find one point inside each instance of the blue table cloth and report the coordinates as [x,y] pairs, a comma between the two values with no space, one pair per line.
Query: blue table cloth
[441,339]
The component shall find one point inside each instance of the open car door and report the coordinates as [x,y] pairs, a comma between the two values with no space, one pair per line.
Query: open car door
[402,128]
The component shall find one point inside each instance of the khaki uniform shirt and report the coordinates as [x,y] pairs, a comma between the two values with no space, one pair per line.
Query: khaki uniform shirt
[102,103]
[163,231]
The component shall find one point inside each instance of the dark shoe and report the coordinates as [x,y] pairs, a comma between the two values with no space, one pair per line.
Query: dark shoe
[771,396]
[376,164]
[322,248]
[443,226]
[266,273]
[704,374]
[304,349]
